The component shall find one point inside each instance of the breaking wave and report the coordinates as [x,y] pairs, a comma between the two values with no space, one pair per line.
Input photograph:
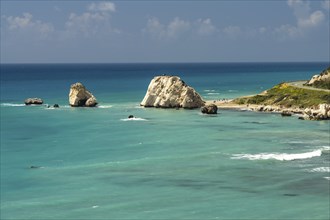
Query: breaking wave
[321,170]
[104,106]
[134,119]
[281,156]
[12,105]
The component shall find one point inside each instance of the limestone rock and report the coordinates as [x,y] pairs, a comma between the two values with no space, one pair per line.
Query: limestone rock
[79,96]
[171,92]
[209,109]
[91,102]
[322,112]
[33,101]
[321,80]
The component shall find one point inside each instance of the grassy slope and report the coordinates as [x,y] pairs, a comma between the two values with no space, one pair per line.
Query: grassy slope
[288,96]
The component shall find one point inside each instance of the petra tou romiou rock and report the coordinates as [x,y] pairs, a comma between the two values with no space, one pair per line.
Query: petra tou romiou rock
[210,109]
[79,96]
[33,101]
[171,92]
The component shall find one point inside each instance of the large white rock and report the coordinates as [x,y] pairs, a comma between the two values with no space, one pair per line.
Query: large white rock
[171,92]
[79,96]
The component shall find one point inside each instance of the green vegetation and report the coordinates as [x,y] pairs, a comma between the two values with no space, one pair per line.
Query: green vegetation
[322,84]
[288,96]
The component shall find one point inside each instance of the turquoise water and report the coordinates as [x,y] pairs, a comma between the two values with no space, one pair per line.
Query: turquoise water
[168,164]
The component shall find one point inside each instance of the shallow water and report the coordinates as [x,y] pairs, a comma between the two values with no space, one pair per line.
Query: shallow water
[93,163]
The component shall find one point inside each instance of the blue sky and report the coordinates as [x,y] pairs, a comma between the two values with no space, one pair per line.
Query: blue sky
[164,31]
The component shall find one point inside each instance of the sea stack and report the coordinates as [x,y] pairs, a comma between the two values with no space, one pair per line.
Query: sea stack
[171,92]
[79,96]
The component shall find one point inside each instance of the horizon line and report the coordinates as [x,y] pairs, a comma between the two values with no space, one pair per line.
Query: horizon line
[165,62]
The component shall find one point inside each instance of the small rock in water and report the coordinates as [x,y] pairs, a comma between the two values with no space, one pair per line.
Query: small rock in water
[290,194]
[209,109]
[131,116]
[34,167]
[33,101]
[286,113]
[56,106]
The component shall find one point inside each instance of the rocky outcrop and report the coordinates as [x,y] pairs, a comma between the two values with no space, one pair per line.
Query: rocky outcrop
[79,96]
[322,112]
[171,92]
[209,109]
[33,101]
[321,80]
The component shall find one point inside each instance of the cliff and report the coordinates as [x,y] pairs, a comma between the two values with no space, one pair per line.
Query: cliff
[321,80]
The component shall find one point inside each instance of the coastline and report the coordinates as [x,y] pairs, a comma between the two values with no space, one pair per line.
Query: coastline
[230,105]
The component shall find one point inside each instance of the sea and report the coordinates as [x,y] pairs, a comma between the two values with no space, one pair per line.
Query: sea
[95,163]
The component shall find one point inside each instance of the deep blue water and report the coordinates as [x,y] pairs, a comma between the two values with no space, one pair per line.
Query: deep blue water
[170,164]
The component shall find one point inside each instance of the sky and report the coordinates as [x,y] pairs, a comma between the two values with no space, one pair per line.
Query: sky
[135,31]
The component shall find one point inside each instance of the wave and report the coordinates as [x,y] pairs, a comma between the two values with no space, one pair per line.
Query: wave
[12,105]
[327,177]
[213,93]
[282,157]
[134,119]
[104,106]
[209,90]
[230,90]
[321,170]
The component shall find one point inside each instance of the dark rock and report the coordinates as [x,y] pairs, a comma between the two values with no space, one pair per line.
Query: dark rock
[209,109]
[131,116]
[33,101]
[286,114]
[290,194]
[56,106]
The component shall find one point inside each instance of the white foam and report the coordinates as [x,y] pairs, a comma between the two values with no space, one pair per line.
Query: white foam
[281,156]
[327,177]
[104,106]
[209,90]
[230,90]
[321,170]
[134,119]
[213,93]
[12,105]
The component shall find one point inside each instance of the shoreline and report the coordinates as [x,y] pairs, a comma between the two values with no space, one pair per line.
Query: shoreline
[284,111]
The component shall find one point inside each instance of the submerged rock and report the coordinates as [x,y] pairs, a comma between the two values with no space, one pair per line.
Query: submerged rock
[171,92]
[209,109]
[79,96]
[286,114]
[33,101]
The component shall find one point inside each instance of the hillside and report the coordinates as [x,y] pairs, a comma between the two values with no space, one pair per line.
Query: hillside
[287,95]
